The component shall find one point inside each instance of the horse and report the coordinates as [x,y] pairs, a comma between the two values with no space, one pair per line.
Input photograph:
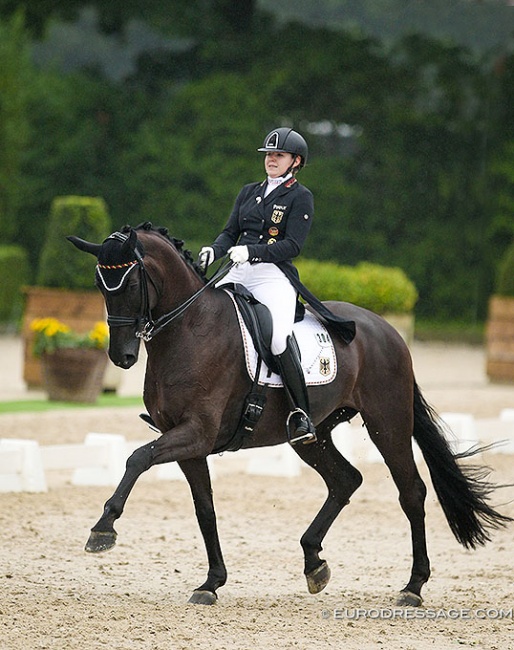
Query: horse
[196,382]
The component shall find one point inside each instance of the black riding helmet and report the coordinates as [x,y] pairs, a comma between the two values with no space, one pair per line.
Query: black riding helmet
[288,141]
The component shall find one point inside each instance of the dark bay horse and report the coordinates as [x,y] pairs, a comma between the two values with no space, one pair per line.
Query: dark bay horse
[196,382]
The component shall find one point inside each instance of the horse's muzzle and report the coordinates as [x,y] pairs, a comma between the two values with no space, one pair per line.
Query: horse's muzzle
[126,361]
[124,356]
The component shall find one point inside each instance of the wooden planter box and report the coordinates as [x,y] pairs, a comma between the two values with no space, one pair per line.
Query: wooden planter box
[500,340]
[80,310]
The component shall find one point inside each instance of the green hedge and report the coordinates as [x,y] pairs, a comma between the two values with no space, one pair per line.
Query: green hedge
[14,271]
[505,279]
[378,288]
[60,264]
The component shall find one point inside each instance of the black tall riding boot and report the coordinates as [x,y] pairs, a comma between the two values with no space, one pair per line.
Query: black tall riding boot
[299,425]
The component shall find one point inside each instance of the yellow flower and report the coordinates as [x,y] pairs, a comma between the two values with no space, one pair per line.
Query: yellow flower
[51,334]
[49,326]
[99,334]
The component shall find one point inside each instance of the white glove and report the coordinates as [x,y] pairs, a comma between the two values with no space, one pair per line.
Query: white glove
[239,254]
[206,257]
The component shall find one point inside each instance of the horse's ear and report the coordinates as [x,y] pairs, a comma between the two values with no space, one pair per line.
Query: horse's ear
[84,245]
[131,242]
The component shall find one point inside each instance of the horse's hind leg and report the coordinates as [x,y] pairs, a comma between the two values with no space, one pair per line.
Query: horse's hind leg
[341,479]
[393,440]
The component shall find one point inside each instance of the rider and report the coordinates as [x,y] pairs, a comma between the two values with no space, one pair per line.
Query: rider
[267,228]
[269,224]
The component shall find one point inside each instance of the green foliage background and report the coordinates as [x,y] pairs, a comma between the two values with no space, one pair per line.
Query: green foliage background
[411,136]
[505,281]
[380,289]
[59,265]
[15,273]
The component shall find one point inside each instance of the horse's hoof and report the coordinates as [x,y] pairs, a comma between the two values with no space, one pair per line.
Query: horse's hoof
[409,599]
[99,542]
[203,597]
[318,578]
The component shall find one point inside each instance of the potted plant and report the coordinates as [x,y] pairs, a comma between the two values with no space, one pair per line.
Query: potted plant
[500,323]
[72,363]
[64,279]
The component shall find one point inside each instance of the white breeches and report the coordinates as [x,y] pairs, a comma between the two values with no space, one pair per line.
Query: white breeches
[271,287]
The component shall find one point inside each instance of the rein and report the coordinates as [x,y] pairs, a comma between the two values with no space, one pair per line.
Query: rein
[152,328]
[147,327]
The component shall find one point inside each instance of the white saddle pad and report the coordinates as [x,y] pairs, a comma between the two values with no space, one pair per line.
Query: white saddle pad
[319,360]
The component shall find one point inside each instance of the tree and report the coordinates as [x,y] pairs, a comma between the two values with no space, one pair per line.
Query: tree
[192,160]
[38,12]
[14,125]
[220,16]
[402,140]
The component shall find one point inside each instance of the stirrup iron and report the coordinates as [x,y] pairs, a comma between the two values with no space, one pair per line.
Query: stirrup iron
[302,431]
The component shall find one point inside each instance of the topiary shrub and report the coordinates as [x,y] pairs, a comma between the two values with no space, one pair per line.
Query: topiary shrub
[59,264]
[14,271]
[505,278]
[378,288]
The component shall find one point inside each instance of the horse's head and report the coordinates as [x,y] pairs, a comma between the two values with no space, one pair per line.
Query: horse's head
[121,277]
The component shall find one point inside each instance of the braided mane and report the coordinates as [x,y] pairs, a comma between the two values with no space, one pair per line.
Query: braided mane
[178,244]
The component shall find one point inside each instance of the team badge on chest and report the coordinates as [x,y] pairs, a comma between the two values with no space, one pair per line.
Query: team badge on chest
[278,213]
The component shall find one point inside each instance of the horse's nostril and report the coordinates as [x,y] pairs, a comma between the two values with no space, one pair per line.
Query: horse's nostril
[128,361]
[125,362]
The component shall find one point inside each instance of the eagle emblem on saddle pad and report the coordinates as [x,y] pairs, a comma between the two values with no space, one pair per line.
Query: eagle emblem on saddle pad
[324,366]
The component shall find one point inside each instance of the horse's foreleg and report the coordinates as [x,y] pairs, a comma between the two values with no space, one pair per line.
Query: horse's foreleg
[103,535]
[341,479]
[176,445]
[196,472]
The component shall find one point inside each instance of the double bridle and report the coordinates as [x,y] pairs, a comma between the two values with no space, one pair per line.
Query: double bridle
[146,326]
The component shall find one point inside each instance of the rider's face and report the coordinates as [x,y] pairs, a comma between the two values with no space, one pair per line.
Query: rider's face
[277,163]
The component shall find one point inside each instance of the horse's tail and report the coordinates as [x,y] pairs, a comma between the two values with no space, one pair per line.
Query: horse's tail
[462,491]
